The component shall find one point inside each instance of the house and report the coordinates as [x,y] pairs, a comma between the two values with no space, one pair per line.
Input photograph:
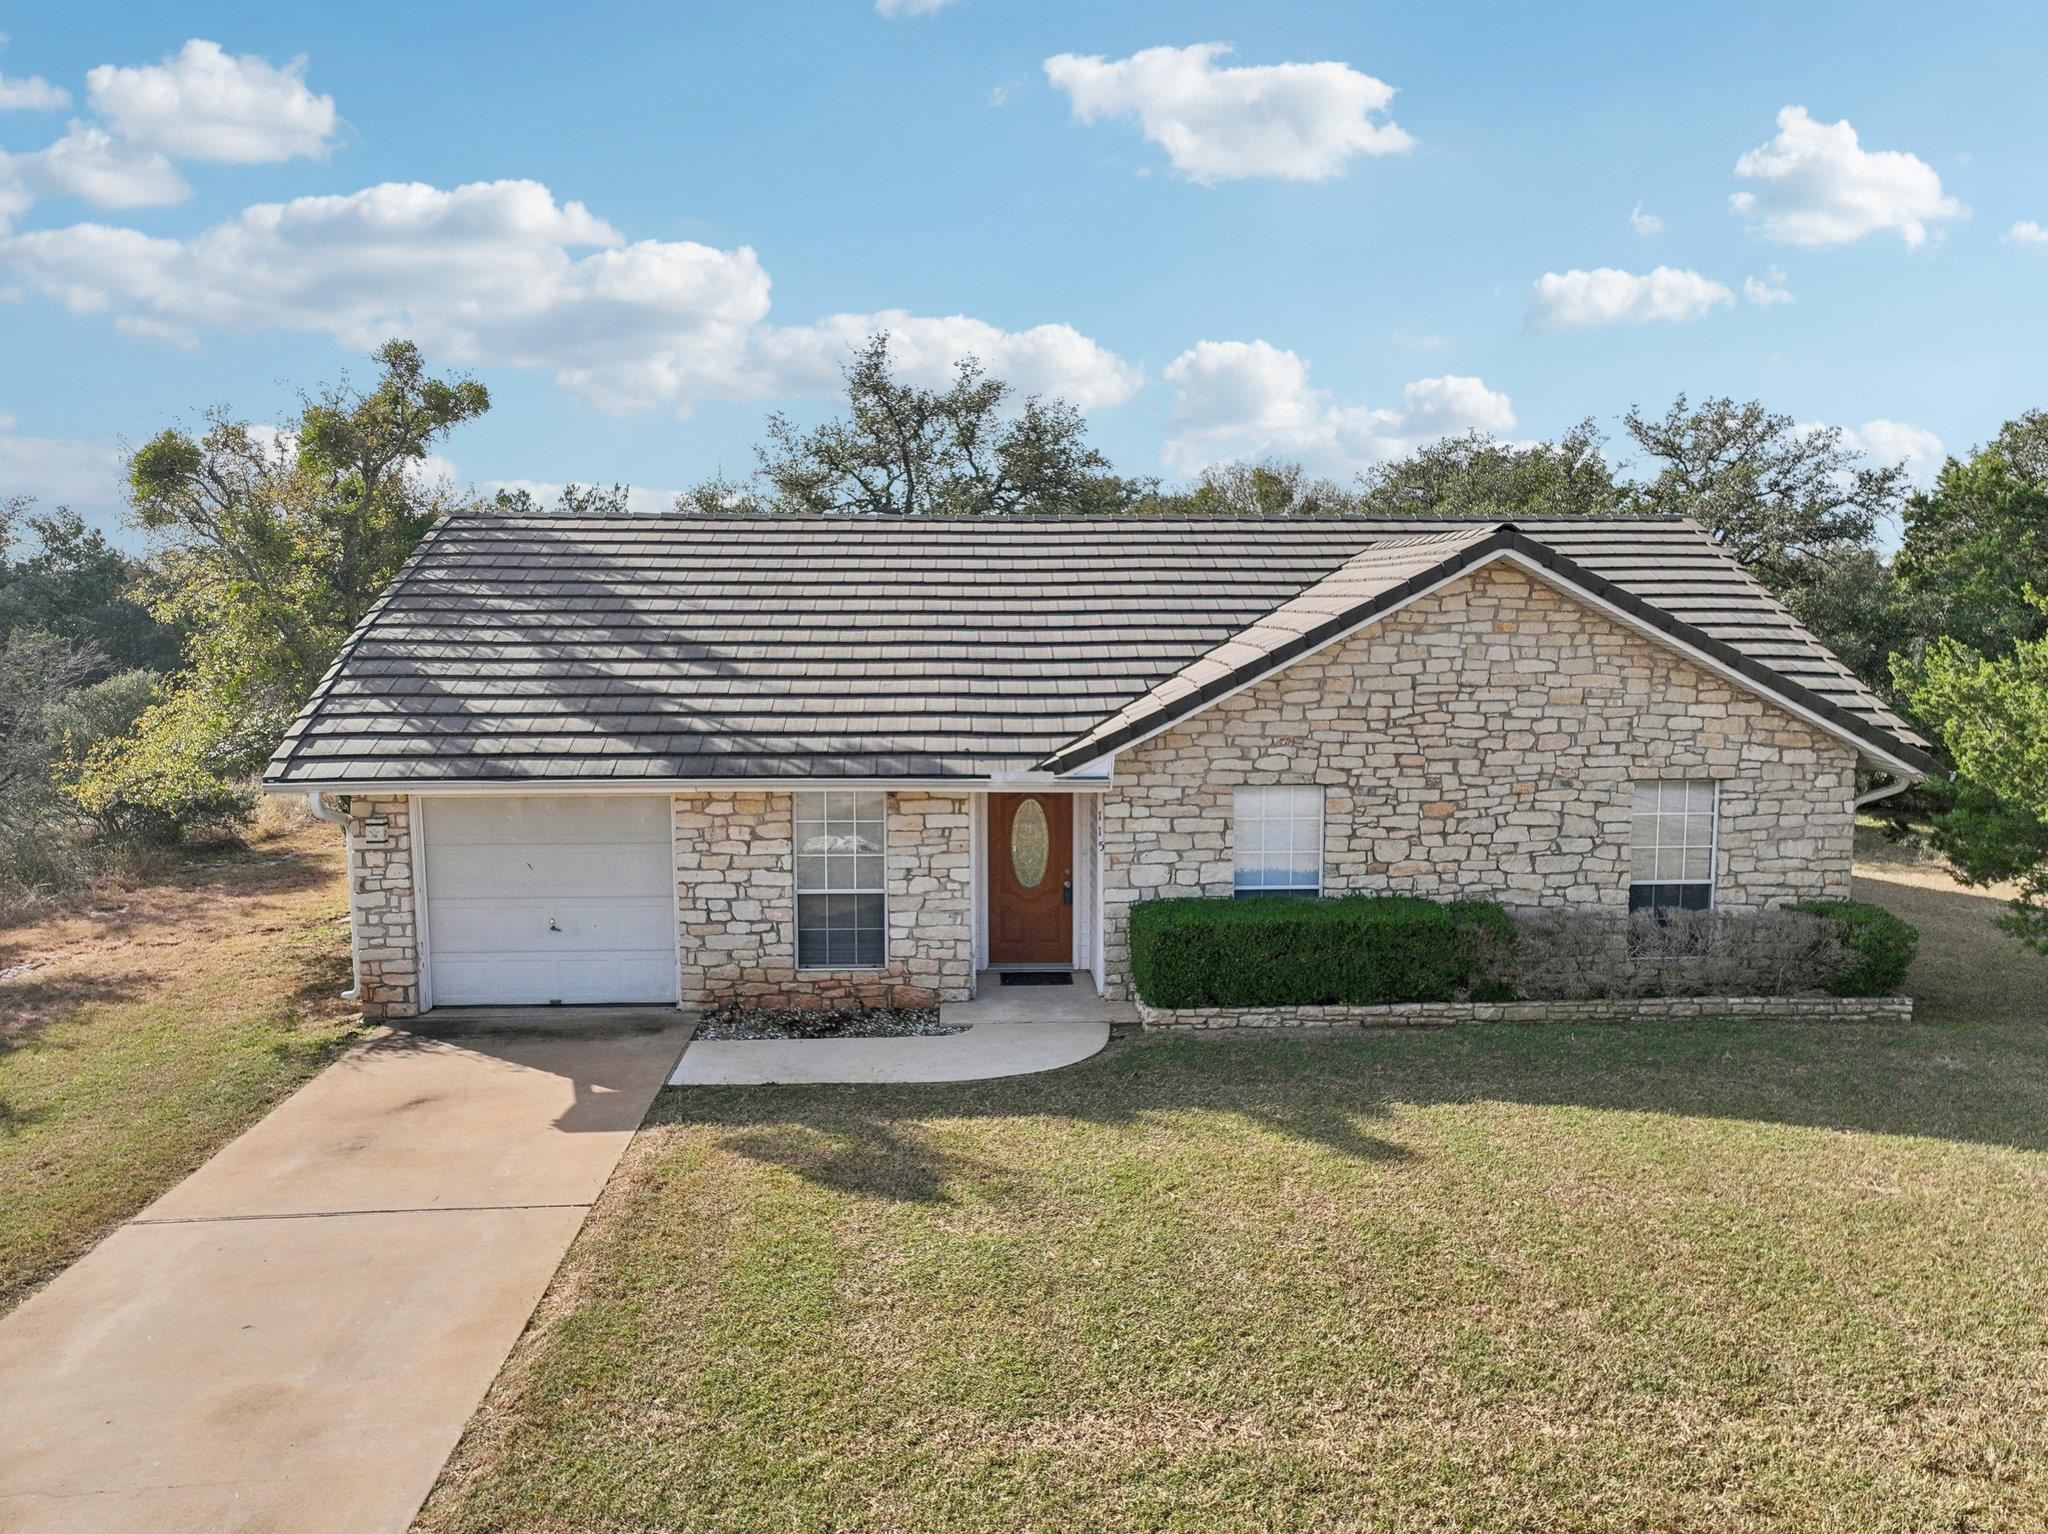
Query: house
[699,760]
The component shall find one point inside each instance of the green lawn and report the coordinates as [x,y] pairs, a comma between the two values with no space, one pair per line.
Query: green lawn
[1676,1278]
[140,1033]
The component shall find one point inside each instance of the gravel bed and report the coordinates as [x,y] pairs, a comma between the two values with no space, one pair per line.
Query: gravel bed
[812,1023]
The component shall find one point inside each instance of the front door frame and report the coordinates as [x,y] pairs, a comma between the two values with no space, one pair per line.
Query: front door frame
[1087,854]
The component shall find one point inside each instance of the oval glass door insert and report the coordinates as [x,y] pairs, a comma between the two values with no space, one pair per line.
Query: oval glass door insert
[1030,845]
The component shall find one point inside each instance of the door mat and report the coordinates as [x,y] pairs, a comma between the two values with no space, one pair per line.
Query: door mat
[1037,977]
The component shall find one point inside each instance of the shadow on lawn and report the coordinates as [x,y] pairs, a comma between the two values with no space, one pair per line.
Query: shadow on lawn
[874,1141]
[1984,1084]
[1974,1070]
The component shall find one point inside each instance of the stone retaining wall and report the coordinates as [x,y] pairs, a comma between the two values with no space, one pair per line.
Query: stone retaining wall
[1662,1009]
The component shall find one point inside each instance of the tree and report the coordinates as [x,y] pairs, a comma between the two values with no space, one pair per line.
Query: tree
[1476,475]
[1991,713]
[1269,488]
[903,450]
[1798,506]
[67,579]
[267,548]
[1788,502]
[1977,540]
[37,670]
[572,500]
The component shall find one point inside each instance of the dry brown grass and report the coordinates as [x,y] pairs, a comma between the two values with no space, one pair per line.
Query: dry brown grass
[1968,969]
[146,1026]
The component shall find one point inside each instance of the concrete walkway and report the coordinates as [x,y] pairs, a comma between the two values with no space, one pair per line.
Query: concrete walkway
[983,1052]
[293,1337]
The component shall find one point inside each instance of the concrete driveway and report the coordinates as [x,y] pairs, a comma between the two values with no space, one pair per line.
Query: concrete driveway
[293,1337]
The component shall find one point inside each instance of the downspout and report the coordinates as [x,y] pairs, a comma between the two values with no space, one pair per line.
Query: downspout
[1898,785]
[321,810]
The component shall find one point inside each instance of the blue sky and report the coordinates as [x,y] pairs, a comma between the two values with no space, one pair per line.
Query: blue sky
[646,226]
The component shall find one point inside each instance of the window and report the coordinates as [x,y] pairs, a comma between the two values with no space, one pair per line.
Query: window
[841,902]
[1278,846]
[1673,848]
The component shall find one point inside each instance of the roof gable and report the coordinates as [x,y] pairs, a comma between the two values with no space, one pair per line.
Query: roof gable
[1386,577]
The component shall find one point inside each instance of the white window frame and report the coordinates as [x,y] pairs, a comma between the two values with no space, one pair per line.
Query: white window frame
[826,795]
[1242,815]
[1659,848]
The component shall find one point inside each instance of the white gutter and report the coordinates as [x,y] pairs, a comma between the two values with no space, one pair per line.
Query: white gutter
[321,810]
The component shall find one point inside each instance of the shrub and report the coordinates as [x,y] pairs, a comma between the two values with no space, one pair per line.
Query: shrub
[173,773]
[1879,947]
[1277,951]
[1566,954]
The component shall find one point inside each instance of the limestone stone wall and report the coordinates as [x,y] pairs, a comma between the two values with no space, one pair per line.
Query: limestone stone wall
[1483,742]
[385,926]
[736,904]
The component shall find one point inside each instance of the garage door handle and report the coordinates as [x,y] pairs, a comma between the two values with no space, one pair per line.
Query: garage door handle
[553,925]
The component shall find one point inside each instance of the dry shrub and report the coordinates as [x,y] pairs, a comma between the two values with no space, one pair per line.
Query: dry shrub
[1576,955]
[279,815]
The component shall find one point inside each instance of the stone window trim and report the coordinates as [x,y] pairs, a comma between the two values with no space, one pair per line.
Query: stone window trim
[843,880]
[1277,818]
[1674,847]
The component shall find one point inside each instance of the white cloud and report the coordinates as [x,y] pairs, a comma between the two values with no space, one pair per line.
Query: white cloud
[32,94]
[1883,441]
[198,104]
[1250,399]
[142,328]
[894,9]
[1046,359]
[2026,232]
[500,273]
[1648,225]
[91,164]
[201,104]
[1816,185]
[1609,296]
[1297,122]
[57,472]
[1769,290]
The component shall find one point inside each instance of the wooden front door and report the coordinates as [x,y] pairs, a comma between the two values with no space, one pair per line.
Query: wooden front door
[1030,879]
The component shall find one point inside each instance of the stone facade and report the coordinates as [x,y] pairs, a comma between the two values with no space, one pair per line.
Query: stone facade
[736,899]
[735,902]
[1661,1009]
[1483,742]
[385,927]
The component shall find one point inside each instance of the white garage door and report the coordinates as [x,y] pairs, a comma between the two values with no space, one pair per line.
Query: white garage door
[538,898]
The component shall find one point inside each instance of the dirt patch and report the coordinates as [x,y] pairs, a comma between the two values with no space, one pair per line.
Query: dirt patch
[123,943]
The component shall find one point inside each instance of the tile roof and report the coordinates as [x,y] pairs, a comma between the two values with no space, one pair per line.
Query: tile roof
[551,649]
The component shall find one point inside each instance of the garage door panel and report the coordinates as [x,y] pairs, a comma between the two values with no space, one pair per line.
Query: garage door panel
[544,872]
[595,925]
[501,981]
[494,819]
[534,898]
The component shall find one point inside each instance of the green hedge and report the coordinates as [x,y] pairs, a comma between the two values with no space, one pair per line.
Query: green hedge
[1278,951]
[1881,947]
